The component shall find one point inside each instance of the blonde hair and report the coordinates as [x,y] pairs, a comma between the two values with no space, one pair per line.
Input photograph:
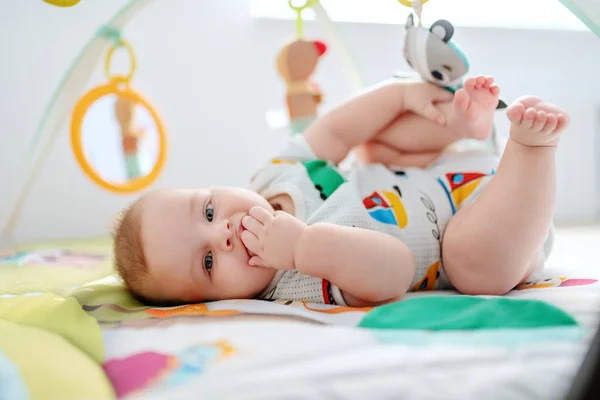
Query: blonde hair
[130,263]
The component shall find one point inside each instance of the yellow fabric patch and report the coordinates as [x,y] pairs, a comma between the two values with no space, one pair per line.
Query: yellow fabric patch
[51,367]
[57,315]
[56,347]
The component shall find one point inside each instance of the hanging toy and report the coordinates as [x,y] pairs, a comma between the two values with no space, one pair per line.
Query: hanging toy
[106,135]
[417,5]
[62,3]
[435,57]
[130,134]
[296,61]
[432,54]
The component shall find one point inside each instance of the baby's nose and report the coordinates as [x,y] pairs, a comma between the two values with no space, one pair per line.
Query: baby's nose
[226,235]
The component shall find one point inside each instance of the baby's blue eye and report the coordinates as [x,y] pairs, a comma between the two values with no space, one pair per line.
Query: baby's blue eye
[210,212]
[208,261]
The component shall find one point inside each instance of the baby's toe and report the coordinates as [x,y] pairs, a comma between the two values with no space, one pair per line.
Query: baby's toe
[494,90]
[551,124]
[515,113]
[563,121]
[540,121]
[470,83]
[529,117]
[461,100]
[488,81]
[480,82]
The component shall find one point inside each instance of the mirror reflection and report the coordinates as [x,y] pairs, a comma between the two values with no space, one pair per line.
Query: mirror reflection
[120,139]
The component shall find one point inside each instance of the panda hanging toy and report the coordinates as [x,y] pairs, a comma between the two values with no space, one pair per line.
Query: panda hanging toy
[432,54]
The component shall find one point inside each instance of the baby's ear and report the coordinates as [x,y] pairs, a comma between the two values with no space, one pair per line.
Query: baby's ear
[442,29]
[410,21]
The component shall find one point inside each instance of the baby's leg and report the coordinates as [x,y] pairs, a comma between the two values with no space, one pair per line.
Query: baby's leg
[492,244]
[416,141]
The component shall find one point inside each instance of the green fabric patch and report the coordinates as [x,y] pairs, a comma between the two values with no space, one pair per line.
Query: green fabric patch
[437,313]
[510,339]
[325,178]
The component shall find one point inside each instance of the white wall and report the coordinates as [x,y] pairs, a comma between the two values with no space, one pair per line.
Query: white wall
[209,70]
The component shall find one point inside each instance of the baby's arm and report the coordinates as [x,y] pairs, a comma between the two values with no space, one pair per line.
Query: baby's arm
[363,117]
[369,267]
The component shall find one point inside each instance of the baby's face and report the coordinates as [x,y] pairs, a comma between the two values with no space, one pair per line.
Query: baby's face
[193,247]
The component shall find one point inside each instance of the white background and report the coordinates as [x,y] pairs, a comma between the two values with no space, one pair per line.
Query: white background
[208,66]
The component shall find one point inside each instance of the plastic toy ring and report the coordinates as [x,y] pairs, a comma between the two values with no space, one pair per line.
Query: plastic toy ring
[307,4]
[409,3]
[77,143]
[109,55]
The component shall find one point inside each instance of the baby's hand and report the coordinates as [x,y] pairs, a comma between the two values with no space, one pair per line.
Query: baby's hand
[271,237]
[422,99]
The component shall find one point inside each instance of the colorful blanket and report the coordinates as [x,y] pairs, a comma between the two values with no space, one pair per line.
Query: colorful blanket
[426,345]
[95,341]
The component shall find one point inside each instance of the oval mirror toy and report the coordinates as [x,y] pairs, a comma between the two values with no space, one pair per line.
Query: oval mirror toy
[117,137]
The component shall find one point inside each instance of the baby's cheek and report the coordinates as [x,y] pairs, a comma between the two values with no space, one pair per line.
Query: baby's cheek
[238,279]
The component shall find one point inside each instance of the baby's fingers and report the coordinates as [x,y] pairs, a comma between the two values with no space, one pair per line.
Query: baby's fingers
[261,214]
[434,114]
[253,225]
[251,242]
[256,261]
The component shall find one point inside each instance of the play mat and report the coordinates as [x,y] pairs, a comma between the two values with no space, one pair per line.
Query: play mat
[69,330]
[74,336]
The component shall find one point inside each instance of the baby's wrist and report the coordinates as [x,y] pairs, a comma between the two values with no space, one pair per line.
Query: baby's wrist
[302,250]
[298,246]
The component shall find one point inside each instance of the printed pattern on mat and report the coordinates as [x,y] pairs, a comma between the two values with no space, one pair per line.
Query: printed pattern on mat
[52,258]
[561,281]
[119,309]
[149,370]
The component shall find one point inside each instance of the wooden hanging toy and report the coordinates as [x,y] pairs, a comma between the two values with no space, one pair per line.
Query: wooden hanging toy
[130,135]
[297,60]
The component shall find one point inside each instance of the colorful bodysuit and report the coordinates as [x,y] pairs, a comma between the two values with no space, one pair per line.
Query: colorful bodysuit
[412,204]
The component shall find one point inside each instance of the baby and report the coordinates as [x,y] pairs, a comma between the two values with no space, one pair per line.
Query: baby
[410,217]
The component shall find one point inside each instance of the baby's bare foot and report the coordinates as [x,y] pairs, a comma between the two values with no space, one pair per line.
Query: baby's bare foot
[474,108]
[535,122]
